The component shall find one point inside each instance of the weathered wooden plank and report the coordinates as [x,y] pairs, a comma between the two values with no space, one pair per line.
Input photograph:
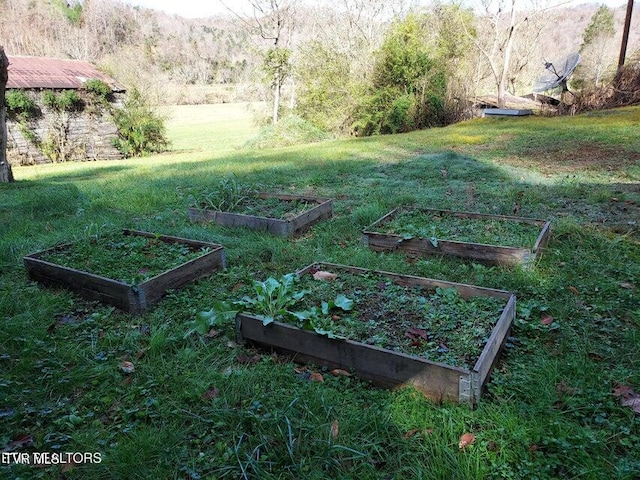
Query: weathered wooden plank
[382,367]
[509,112]
[543,238]
[275,226]
[491,254]
[465,290]
[156,287]
[93,287]
[491,350]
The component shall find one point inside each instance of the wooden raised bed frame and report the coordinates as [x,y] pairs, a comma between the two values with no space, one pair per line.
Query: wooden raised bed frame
[489,254]
[276,226]
[383,367]
[131,298]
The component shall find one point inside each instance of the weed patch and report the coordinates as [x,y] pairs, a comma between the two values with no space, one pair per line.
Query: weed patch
[130,259]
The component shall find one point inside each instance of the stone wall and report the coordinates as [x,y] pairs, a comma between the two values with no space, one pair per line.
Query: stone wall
[85,135]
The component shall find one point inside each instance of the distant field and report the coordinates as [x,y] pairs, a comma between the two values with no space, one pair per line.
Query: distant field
[219,127]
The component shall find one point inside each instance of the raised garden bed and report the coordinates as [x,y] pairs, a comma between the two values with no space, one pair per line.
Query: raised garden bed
[280,214]
[491,239]
[131,270]
[406,327]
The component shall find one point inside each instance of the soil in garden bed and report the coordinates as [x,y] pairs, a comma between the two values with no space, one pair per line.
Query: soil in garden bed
[437,325]
[415,223]
[131,259]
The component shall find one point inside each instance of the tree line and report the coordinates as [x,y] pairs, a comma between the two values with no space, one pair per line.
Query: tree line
[360,67]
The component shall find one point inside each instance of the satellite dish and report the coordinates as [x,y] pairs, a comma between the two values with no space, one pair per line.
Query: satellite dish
[557,74]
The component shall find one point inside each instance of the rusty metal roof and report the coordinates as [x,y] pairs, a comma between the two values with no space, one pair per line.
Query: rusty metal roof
[42,72]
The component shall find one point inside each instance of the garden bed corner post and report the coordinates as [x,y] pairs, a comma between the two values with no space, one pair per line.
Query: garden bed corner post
[469,389]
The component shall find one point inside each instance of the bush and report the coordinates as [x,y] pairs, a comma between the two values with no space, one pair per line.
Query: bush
[19,103]
[290,130]
[327,87]
[409,86]
[99,90]
[65,101]
[140,131]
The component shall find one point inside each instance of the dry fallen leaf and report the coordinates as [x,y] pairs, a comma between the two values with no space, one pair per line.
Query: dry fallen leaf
[335,429]
[127,367]
[247,360]
[573,290]
[628,397]
[622,390]
[213,333]
[633,403]
[326,276]
[415,333]
[627,285]
[316,377]
[19,443]
[410,433]
[212,392]
[548,320]
[337,372]
[466,440]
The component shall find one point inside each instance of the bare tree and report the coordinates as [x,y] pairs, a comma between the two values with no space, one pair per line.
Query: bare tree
[274,22]
[505,24]
[6,175]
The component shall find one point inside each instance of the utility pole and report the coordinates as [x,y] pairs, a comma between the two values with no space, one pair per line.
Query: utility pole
[625,35]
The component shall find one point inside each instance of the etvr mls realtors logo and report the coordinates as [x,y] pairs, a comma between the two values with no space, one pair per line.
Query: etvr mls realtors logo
[49,458]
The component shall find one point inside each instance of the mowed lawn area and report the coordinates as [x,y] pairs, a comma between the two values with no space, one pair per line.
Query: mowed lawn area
[149,398]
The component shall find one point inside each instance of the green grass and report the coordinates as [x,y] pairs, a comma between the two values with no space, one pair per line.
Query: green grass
[204,407]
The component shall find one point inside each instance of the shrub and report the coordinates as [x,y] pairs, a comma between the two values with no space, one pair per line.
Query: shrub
[100,91]
[408,91]
[19,103]
[327,88]
[140,130]
[290,130]
[65,101]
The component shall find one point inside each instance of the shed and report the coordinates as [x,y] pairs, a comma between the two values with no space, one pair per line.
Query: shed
[48,134]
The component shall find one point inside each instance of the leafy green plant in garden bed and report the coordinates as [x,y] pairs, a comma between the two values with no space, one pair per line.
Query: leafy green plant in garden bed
[416,223]
[232,196]
[130,259]
[274,299]
[437,325]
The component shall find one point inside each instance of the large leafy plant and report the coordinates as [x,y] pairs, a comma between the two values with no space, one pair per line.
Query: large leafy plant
[273,299]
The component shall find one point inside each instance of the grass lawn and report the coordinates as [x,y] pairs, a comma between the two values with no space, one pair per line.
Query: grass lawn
[156,402]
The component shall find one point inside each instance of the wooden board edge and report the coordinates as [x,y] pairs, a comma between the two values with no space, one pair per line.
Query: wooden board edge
[490,354]
[465,290]
[85,284]
[383,367]
[543,239]
[173,239]
[153,289]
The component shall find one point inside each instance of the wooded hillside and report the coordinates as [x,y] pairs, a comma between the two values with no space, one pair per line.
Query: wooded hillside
[224,58]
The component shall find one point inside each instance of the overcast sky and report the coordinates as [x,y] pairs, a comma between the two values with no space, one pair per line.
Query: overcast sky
[206,8]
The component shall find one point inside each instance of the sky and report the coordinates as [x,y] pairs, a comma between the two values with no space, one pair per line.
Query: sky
[207,8]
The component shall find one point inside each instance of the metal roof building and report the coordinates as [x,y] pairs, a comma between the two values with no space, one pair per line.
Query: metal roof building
[53,73]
